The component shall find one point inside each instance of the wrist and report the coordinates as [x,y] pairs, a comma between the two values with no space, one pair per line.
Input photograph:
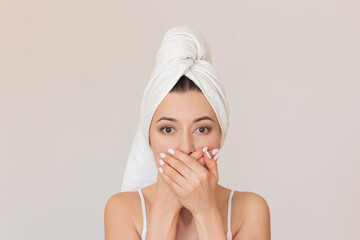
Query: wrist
[160,209]
[212,213]
[209,225]
[162,224]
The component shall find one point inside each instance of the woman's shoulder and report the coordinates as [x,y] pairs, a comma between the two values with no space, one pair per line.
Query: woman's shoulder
[119,215]
[249,198]
[123,195]
[248,202]
[123,200]
[246,198]
[123,204]
[252,210]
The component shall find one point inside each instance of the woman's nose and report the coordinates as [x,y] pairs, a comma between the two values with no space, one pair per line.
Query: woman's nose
[186,144]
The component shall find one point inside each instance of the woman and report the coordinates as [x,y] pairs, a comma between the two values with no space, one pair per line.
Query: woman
[173,160]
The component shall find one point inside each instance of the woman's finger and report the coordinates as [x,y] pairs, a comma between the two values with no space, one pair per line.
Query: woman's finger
[213,152]
[187,160]
[177,165]
[211,164]
[197,155]
[172,173]
[169,181]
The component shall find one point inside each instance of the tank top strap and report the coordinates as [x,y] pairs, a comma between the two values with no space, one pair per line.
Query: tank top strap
[143,213]
[229,234]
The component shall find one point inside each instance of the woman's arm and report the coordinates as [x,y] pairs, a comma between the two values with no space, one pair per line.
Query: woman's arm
[210,225]
[119,224]
[163,222]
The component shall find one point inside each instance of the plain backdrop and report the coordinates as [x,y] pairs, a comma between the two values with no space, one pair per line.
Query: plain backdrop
[72,75]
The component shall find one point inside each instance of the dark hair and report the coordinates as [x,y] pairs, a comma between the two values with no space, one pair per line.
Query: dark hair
[185,84]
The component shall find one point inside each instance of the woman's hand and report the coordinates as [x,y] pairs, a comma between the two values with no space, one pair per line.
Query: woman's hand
[165,196]
[194,185]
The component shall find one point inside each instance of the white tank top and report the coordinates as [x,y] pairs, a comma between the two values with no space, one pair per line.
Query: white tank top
[228,234]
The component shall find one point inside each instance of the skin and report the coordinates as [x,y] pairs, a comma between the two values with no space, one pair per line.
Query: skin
[184,136]
[186,185]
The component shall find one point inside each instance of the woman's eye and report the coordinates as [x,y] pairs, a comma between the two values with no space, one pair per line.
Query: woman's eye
[167,131]
[203,130]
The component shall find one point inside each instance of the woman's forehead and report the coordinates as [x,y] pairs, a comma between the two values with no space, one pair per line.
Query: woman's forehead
[188,105]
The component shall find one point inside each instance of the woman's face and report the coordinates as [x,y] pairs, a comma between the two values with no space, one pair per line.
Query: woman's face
[184,121]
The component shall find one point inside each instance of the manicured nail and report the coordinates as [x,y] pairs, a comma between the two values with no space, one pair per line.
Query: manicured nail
[171,151]
[162,155]
[205,148]
[208,154]
[215,151]
[216,157]
[161,162]
[161,170]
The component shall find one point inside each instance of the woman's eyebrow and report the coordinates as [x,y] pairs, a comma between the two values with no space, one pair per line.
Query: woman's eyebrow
[196,120]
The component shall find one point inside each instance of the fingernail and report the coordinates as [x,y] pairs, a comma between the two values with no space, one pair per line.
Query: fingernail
[215,151]
[216,157]
[161,170]
[208,154]
[205,148]
[161,162]
[171,151]
[162,155]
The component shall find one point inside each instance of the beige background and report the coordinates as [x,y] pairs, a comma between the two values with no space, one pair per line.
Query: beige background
[73,73]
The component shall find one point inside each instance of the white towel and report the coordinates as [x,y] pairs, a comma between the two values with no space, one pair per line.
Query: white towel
[183,51]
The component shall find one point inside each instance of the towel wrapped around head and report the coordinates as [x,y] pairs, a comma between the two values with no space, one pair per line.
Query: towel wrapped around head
[183,51]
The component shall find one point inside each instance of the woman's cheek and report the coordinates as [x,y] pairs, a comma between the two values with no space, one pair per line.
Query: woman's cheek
[163,148]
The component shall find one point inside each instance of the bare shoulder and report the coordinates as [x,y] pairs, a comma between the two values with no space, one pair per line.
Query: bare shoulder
[119,216]
[254,213]
[121,199]
[250,201]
